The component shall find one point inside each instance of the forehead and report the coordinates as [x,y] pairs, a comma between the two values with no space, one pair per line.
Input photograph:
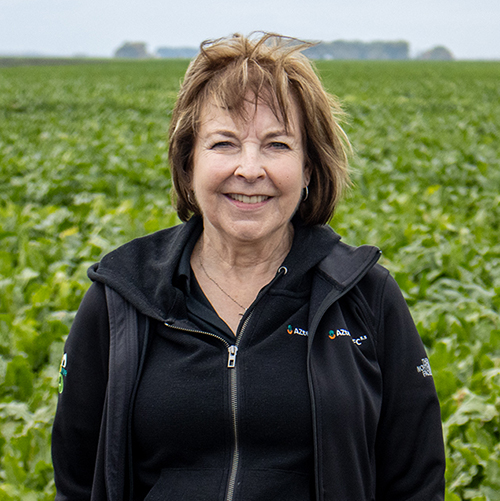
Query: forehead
[251,113]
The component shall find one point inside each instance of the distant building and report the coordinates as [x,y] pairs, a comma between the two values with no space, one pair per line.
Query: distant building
[439,53]
[177,52]
[132,50]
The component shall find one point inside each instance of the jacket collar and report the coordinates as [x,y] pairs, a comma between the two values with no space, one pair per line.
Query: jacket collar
[346,265]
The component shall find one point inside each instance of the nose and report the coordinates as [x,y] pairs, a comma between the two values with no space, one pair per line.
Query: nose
[251,164]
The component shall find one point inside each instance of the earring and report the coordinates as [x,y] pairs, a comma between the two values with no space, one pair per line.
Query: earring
[306,195]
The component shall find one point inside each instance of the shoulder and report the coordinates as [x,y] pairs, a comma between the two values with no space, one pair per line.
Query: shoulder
[382,290]
[91,324]
[93,308]
[377,282]
[379,294]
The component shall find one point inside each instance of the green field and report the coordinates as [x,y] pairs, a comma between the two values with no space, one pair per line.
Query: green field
[83,168]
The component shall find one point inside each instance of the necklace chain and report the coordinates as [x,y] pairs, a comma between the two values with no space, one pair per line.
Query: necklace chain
[221,289]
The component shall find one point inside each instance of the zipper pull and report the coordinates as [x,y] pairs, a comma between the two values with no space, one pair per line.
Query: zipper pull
[231,361]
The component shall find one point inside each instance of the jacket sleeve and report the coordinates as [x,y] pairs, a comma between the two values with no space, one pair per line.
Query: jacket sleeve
[80,406]
[410,452]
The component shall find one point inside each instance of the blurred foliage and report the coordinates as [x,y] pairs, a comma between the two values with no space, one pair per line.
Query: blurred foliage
[83,169]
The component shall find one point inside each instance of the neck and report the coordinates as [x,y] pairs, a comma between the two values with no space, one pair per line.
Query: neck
[242,257]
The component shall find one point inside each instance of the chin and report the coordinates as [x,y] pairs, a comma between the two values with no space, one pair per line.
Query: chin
[246,233]
[255,231]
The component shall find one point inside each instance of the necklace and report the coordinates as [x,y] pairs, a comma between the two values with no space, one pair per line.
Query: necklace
[221,289]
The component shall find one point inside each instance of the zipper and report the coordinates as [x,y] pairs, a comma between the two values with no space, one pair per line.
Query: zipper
[231,361]
[232,350]
[231,484]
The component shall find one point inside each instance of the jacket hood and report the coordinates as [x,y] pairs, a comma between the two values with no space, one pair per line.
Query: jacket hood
[143,270]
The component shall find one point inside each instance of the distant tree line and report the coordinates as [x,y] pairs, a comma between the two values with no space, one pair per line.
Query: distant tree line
[339,49]
[342,49]
[177,52]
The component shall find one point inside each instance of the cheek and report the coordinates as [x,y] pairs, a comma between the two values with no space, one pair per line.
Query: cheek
[200,174]
[297,179]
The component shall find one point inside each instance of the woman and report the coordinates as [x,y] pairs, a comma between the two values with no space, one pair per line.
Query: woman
[248,354]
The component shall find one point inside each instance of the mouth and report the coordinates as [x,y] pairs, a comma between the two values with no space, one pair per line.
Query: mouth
[253,199]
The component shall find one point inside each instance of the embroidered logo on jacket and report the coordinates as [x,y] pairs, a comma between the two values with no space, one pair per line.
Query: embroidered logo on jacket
[333,334]
[300,332]
[62,372]
[339,332]
[425,368]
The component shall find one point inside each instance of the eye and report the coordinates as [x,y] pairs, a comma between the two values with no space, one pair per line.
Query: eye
[278,145]
[221,145]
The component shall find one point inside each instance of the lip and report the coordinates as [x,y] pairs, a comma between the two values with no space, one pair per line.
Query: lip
[243,201]
[247,199]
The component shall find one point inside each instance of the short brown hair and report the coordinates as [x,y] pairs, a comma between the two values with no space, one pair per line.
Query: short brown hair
[273,69]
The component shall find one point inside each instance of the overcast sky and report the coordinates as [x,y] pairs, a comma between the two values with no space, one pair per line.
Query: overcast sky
[469,28]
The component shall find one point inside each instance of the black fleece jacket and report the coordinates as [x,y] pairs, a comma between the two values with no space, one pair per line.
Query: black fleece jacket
[376,426]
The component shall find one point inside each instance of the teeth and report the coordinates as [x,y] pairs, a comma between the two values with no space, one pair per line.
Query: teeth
[248,200]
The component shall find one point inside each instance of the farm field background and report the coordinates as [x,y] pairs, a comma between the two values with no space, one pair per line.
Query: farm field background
[83,169]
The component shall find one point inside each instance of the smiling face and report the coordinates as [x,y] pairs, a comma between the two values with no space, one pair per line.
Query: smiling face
[248,176]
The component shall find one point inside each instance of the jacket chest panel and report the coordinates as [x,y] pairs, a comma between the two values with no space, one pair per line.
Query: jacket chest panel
[344,351]
[183,395]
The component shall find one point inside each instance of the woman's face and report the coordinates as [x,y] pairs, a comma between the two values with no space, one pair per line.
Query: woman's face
[248,176]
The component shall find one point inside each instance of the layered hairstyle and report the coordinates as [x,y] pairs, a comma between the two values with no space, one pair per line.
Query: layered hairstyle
[272,69]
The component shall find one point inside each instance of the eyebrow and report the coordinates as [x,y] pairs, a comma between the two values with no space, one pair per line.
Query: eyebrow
[223,132]
[280,132]
[269,135]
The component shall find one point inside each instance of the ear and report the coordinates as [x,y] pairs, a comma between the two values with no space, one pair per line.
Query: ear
[307,174]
